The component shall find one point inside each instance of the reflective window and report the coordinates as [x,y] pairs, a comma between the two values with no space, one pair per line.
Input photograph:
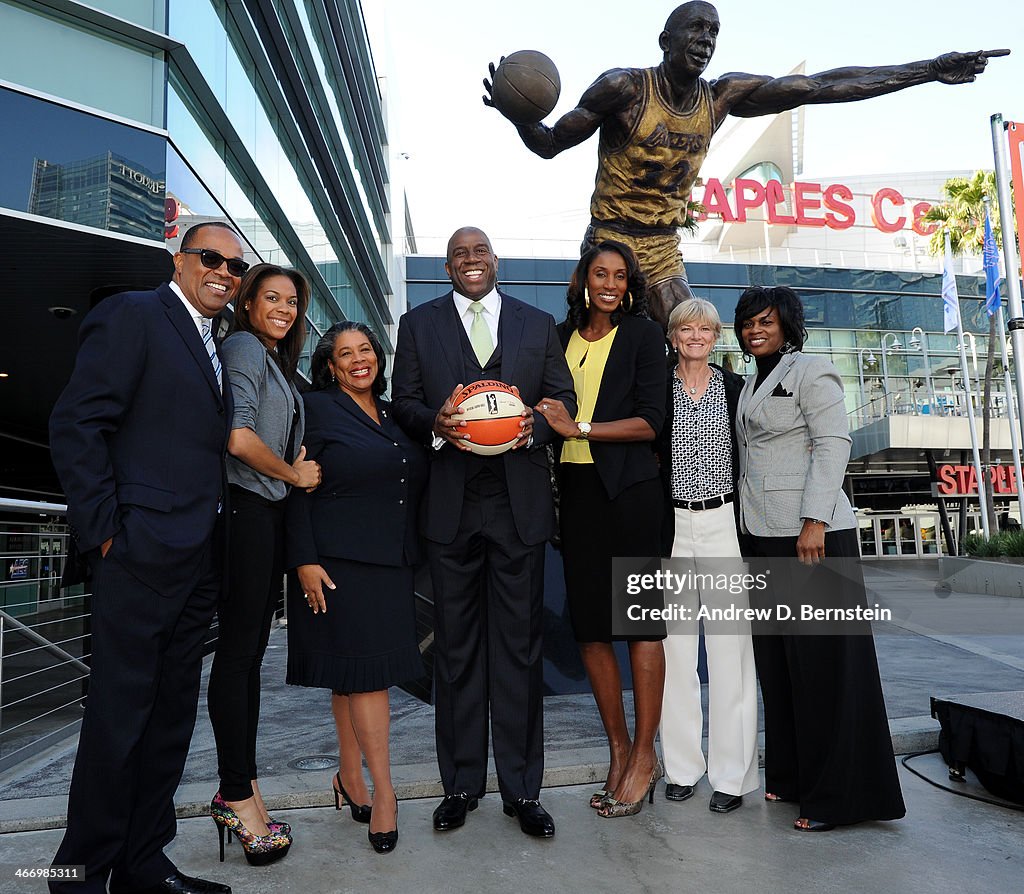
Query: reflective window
[228,67]
[315,37]
[81,65]
[77,167]
[148,13]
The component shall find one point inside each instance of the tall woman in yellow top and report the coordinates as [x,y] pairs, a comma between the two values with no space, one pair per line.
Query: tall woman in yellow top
[612,499]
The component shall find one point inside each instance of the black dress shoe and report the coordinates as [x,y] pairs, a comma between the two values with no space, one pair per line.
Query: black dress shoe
[675,792]
[533,819]
[186,884]
[451,812]
[723,803]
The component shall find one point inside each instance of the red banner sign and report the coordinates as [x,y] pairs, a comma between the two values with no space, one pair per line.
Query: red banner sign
[812,205]
[1015,133]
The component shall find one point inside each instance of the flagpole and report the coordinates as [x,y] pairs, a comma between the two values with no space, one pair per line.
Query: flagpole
[1010,262]
[991,255]
[968,393]
[1011,415]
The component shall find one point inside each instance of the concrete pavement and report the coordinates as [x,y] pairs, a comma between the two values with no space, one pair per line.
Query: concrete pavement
[945,843]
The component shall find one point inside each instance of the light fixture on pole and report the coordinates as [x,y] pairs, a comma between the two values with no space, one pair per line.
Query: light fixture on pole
[921,341]
[896,344]
[861,363]
[969,337]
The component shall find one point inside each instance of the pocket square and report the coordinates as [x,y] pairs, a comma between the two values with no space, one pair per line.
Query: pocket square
[779,391]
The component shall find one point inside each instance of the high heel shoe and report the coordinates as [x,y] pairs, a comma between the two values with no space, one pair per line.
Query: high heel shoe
[360,812]
[385,842]
[259,849]
[598,798]
[613,808]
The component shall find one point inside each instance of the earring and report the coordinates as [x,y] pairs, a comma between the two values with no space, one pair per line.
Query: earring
[627,302]
[586,297]
[787,348]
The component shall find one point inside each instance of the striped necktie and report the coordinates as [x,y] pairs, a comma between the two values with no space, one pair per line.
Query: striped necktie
[211,349]
[480,334]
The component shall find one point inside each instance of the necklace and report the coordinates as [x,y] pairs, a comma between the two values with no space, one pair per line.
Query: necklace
[691,388]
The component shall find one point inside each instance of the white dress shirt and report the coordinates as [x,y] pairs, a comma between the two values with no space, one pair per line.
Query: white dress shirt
[197,317]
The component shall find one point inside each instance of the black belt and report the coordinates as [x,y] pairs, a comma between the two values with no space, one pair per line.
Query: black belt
[699,505]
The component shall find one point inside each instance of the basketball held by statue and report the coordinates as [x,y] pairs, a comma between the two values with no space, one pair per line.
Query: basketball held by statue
[491,412]
[526,87]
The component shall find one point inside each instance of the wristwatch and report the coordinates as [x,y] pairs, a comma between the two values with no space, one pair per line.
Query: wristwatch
[584,428]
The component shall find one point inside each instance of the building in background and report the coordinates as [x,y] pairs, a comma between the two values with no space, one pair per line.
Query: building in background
[126,121]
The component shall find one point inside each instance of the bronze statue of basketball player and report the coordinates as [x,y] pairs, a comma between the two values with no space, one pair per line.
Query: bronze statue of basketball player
[656,125]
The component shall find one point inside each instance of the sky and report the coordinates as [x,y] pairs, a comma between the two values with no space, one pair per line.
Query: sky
[462,163]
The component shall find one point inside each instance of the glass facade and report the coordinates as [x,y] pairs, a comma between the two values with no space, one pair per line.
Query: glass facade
[123,122]
[102,71]
[230,71]
[77,167]
[233,150]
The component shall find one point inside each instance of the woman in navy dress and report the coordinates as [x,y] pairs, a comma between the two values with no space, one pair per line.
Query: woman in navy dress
[352,543]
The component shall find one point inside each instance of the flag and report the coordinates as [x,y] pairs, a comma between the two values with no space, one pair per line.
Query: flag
[990,257]
[950,301]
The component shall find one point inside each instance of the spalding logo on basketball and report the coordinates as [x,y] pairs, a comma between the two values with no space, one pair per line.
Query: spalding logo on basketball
[526,87]
[492,414]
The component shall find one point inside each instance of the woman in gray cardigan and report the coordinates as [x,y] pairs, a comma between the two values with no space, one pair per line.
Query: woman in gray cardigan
[265,459]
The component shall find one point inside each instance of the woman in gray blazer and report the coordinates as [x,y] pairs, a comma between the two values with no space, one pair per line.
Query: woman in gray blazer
[827,742]
[265,459]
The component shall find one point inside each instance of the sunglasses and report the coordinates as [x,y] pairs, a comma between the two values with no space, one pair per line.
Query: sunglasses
[213,259]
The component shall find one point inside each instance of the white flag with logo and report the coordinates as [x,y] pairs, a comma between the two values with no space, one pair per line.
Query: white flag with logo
[950,301]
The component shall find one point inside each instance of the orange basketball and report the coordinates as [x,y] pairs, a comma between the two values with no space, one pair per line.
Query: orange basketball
[492,413]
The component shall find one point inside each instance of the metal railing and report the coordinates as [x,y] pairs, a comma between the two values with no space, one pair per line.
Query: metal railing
[44,632]
[901,403]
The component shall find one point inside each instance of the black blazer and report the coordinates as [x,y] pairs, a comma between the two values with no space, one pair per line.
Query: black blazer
[428,366]
[373,476]
[138,439]
[633,384]
[733,386]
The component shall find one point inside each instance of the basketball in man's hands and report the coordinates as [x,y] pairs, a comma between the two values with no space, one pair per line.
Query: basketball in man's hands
[526,87]
[491,412]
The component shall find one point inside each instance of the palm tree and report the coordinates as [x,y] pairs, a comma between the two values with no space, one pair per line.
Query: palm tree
[962,215]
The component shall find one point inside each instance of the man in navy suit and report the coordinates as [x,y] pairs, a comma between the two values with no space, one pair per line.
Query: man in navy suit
[138,439]
[486,522]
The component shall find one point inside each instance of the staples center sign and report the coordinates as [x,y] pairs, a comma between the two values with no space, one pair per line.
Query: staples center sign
[961,481]
[812,205]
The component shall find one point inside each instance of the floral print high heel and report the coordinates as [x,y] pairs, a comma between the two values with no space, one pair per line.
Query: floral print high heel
[259,849]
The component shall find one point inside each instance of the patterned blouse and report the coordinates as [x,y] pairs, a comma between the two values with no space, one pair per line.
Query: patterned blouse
[701,441]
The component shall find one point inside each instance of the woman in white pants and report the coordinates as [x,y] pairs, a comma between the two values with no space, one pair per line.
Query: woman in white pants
[699,465]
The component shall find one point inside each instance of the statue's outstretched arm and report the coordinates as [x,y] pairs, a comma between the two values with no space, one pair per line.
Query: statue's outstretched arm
[845,84]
